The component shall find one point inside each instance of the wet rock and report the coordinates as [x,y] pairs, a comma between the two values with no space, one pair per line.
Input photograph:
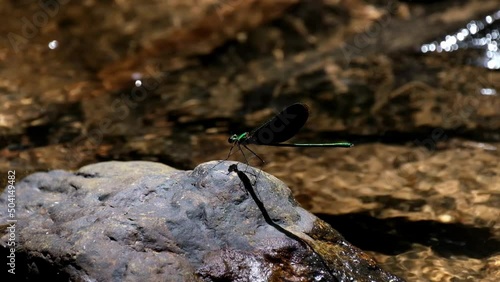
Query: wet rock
[146,221]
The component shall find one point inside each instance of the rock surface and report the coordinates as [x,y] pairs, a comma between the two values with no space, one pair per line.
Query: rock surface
[133,221]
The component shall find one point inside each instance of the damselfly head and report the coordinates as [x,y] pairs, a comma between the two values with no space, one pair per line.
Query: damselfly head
[233,139]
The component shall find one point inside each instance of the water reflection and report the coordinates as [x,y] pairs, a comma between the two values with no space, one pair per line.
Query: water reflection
[478,34]
[53,44]
[488,91]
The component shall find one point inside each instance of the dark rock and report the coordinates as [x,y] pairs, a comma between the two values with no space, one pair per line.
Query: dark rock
[134,221]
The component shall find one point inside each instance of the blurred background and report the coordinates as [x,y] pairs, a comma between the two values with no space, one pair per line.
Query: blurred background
[413,84]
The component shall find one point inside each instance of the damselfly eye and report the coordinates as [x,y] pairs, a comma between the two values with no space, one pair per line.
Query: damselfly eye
[233,138]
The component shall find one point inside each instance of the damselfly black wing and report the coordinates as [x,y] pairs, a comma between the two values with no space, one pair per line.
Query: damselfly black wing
[281,127]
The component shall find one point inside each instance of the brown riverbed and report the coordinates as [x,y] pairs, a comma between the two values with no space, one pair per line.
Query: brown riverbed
[169,82]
